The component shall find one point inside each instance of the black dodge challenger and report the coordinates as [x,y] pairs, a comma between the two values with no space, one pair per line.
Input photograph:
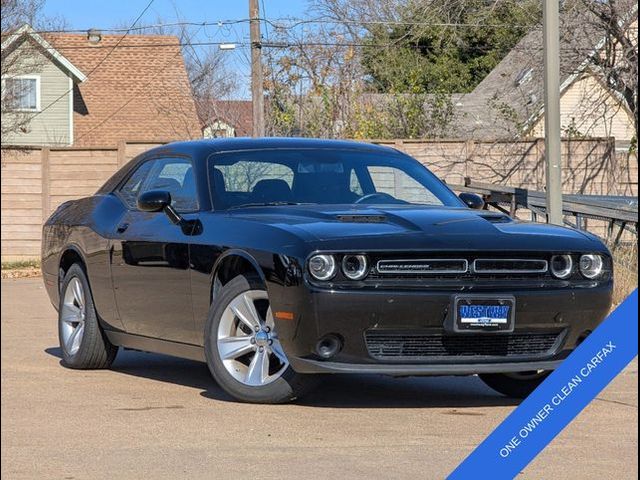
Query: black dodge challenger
[275,259]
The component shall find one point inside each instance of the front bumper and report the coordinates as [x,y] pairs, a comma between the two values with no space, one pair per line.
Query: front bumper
[305,365]
[569,313]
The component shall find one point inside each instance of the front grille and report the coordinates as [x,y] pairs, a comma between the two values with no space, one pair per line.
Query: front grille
[444,271]
[509,265]
[431,266]
[386,345]
[423,266]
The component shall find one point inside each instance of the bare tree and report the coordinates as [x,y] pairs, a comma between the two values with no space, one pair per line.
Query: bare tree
[325,79]
[612,27]
[311,82]
[211,80]
[210,76]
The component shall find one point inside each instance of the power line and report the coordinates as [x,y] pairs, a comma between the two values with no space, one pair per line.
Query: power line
[288,22]
[285,45]
[154,26]
[301,21]
[70,91]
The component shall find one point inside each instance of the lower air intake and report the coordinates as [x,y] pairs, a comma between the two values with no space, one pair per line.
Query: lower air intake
[384,345]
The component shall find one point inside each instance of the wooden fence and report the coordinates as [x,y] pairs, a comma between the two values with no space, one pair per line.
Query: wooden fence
[36,181]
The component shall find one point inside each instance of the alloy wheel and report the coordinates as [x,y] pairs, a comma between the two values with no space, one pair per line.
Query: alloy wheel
[247,342]
[72,316]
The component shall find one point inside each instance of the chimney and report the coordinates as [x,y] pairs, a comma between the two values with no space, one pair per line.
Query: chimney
[94,36]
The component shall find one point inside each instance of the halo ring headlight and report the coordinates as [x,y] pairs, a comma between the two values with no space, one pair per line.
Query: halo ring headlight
[355,267]
[562,266]
[591,265]
[322,267]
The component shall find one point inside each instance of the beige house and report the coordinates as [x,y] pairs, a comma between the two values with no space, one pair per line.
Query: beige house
[508,103]
[589,109]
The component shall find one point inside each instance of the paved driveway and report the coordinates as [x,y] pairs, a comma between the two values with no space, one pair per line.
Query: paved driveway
[156,417]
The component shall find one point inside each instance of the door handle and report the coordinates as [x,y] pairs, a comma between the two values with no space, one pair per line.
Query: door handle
[122,227]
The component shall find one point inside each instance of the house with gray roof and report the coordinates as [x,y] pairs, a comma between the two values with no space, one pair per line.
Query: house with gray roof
[508,103]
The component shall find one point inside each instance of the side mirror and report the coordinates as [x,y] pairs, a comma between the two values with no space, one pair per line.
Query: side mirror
[156,201]
[472,200]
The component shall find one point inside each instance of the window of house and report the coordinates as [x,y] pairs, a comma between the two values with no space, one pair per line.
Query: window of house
[21,93]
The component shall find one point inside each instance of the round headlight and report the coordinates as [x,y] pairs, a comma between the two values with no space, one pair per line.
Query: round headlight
[355,267]
[322,267]
[561,266]
[591,265]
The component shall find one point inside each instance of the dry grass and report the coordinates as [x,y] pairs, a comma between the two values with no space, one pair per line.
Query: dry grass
[21,269]
[625,259]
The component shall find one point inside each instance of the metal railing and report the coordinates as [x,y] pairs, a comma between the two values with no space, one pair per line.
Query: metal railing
[619,213]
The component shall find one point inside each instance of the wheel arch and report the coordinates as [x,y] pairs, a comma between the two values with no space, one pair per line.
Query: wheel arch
[71,255]
[229,265]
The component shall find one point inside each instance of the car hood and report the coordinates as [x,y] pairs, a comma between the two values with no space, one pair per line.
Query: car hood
[416,228]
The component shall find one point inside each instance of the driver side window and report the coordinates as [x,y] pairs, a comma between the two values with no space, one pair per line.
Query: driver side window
[130,190]
[174,175]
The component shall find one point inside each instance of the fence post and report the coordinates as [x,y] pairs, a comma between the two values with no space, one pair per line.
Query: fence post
[469,147]
[540,159]
[46,183]
[122,153]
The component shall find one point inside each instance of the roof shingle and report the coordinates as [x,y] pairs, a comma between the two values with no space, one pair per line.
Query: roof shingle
[138,90]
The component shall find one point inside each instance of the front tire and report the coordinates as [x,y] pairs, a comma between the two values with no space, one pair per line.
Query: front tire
[242,348]
[83,343]
[517,384]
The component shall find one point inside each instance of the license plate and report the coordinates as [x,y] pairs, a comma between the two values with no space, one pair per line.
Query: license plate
[483,313]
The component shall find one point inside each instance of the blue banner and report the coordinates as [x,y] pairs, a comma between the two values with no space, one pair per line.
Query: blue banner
[557,401]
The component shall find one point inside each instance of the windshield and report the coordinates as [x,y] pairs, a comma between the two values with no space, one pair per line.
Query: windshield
[322,176]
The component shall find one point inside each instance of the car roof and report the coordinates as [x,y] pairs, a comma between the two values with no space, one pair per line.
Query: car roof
[201,149]
[244,143]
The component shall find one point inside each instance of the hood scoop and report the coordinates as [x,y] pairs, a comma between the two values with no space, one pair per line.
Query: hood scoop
[356,218]
[497,218]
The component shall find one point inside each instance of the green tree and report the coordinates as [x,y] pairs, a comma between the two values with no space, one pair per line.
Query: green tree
[442,46]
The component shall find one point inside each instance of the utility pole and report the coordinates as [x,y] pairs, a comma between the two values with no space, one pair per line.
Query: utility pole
[257,88]
[553,147]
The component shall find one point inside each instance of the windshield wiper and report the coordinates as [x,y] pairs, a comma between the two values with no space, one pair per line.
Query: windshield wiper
[266,204]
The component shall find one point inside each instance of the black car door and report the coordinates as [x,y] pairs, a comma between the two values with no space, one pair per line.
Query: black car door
[150,255]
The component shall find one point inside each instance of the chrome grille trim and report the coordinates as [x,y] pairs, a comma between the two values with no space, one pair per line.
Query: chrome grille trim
[543,265]
[412,266]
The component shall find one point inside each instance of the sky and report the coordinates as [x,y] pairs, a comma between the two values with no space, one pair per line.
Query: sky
[83,15]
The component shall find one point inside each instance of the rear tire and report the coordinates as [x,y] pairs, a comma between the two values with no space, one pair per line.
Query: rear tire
[255,368]
[83,343]
[515,385]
